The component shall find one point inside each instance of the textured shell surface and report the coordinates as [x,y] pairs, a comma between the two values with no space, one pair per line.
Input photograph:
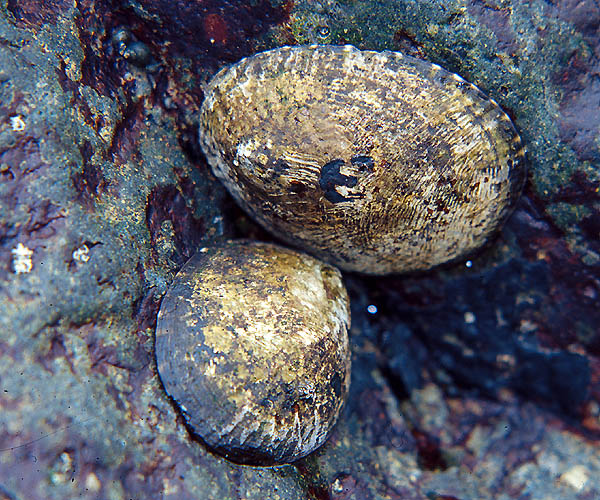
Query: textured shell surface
[252,344]
[376,162]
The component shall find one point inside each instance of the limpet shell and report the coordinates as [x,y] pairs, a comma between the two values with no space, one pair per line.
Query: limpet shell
[252,344]
[375,162]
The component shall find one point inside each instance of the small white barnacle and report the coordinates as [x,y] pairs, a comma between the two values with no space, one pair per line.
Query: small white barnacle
[22,262]
[17,123]
[82,254]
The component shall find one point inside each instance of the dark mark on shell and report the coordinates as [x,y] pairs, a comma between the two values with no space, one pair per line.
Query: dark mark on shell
[331,177]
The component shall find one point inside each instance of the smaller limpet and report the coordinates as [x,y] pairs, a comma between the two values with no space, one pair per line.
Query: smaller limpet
[252,344]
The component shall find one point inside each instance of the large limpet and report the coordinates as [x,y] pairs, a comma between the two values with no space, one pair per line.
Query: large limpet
[252,344]
[376,162]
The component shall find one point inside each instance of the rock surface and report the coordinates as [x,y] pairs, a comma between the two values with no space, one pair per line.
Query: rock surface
[479,380]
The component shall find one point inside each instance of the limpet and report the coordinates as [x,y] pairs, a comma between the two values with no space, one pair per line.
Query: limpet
[374,162]
[252,345]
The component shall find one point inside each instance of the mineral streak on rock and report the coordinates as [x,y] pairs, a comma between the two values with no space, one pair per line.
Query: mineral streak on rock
[377,162]
[252,344]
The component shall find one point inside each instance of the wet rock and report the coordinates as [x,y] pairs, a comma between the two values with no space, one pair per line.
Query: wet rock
[104,194]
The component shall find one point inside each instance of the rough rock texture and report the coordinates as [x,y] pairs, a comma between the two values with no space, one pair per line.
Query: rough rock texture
[376,162]
[252,344]
[480,380]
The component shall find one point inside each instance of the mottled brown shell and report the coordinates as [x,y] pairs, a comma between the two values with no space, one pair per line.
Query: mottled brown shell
[376,162]
[252,344]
